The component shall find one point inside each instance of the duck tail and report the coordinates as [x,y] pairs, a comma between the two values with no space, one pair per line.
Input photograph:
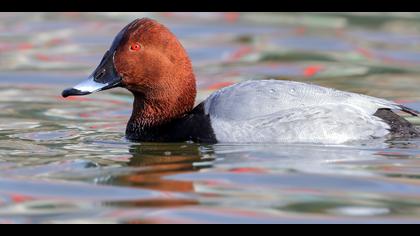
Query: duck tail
[409,110]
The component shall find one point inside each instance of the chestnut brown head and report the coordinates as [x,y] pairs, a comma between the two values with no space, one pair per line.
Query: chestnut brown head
[148,60]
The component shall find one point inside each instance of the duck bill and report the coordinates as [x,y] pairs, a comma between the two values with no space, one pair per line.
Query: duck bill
[103,78]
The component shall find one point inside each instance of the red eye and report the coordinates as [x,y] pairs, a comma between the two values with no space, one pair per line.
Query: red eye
[135,47]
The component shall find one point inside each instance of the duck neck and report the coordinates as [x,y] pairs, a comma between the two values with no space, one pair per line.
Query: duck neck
[155,110]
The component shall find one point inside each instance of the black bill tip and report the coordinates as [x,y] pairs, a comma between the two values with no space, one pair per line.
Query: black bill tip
[73,92]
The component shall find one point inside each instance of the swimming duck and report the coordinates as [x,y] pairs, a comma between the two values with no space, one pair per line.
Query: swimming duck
[149,61]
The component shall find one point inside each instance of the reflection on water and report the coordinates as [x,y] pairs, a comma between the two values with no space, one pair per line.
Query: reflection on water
[66,161]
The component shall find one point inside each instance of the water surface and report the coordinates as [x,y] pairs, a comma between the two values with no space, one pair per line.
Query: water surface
[67,161]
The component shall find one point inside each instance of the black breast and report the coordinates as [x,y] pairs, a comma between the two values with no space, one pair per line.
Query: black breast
[194,126]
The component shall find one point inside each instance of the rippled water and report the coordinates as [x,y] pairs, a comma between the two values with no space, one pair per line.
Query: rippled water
[66,161]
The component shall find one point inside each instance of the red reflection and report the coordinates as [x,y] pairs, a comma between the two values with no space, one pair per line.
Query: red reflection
[312,70]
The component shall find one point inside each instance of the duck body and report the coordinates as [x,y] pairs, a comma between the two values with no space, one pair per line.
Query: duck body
[267,111]
[287,111]
[148,60]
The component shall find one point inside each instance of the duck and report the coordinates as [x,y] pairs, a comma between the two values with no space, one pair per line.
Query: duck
[148,60]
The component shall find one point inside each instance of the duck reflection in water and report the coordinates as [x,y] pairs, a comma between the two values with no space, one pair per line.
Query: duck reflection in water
[159,162]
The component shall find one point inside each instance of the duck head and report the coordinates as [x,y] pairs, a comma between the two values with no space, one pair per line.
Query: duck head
[148,60]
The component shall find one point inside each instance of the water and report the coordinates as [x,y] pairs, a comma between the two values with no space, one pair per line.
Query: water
[66,161]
